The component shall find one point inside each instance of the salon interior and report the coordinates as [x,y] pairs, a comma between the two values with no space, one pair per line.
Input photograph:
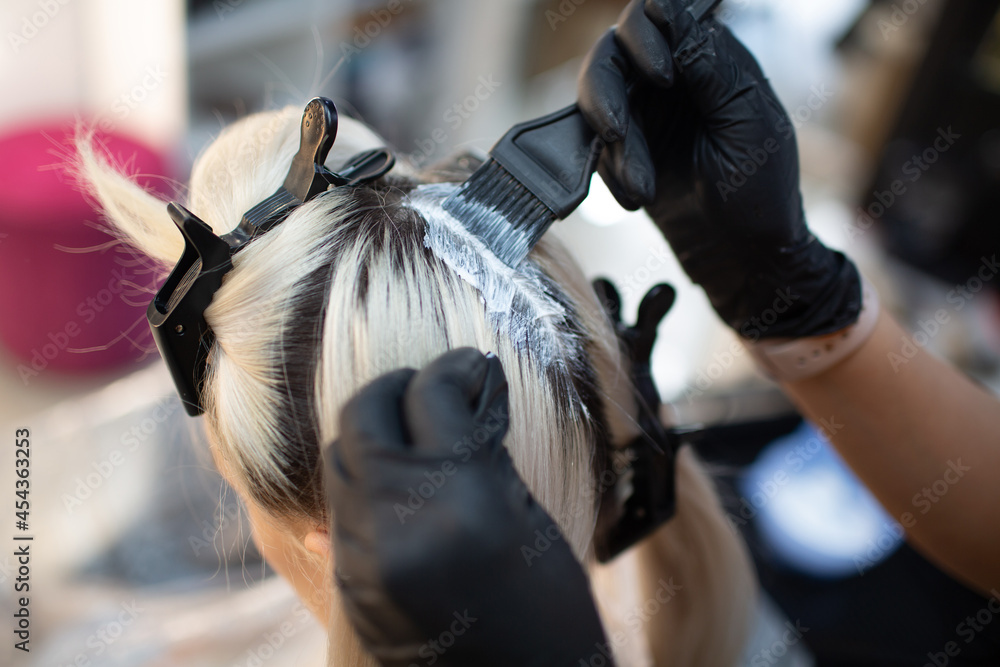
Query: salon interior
[141,552]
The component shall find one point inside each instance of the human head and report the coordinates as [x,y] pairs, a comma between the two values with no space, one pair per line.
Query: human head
[345,290]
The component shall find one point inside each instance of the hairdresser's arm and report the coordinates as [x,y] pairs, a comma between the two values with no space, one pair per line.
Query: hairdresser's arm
[926,441]
[703,143]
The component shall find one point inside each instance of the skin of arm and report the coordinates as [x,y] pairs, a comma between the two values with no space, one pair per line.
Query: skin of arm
[925,439]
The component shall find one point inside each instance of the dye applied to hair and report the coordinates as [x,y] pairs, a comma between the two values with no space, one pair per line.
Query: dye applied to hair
[517,301]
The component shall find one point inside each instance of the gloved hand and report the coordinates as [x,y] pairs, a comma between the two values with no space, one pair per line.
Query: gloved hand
[699,138]
[442,555]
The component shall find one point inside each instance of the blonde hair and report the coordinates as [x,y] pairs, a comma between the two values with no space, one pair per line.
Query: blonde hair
[345,290]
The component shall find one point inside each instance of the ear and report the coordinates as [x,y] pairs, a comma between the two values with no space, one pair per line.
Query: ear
[318,542]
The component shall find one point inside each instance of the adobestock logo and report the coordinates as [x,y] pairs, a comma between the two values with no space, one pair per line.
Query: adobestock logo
[913,170]
[967,630]
[123,105]
[101,640]
[899,17]
[437,647]
[454,117]
[929,328]
[366,33]
[464,449]
[752,330]
[31,25]
[562,13]
[87,311]
[272,641]
[634,619]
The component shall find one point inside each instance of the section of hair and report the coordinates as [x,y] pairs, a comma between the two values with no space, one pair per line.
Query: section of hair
[345,290]
[707,620]
[393,303]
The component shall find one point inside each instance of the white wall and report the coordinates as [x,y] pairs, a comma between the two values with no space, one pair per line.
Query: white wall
[119,61]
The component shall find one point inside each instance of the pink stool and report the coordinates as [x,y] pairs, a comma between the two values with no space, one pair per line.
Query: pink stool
[63,309]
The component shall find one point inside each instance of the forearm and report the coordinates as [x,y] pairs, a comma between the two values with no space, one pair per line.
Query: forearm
[925,440]
[919,426]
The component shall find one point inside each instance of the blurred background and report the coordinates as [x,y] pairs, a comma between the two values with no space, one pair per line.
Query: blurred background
[141,555]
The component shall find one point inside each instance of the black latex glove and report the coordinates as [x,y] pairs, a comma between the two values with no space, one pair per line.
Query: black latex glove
[703,143]
[442,555]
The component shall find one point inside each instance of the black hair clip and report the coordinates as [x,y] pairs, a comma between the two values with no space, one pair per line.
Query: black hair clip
[641,495]
[177,313]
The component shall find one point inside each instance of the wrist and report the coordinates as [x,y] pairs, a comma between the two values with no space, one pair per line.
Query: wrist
[793,359]
[791,293]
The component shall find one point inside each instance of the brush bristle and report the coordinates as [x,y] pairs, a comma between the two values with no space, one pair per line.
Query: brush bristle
[499,210]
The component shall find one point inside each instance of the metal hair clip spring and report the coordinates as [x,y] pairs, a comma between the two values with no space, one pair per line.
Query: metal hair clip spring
[177,313]
[642,495]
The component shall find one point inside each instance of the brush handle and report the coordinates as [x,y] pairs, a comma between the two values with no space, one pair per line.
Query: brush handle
[553,157]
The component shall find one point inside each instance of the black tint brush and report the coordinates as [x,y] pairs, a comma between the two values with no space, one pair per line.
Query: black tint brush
[538,172]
